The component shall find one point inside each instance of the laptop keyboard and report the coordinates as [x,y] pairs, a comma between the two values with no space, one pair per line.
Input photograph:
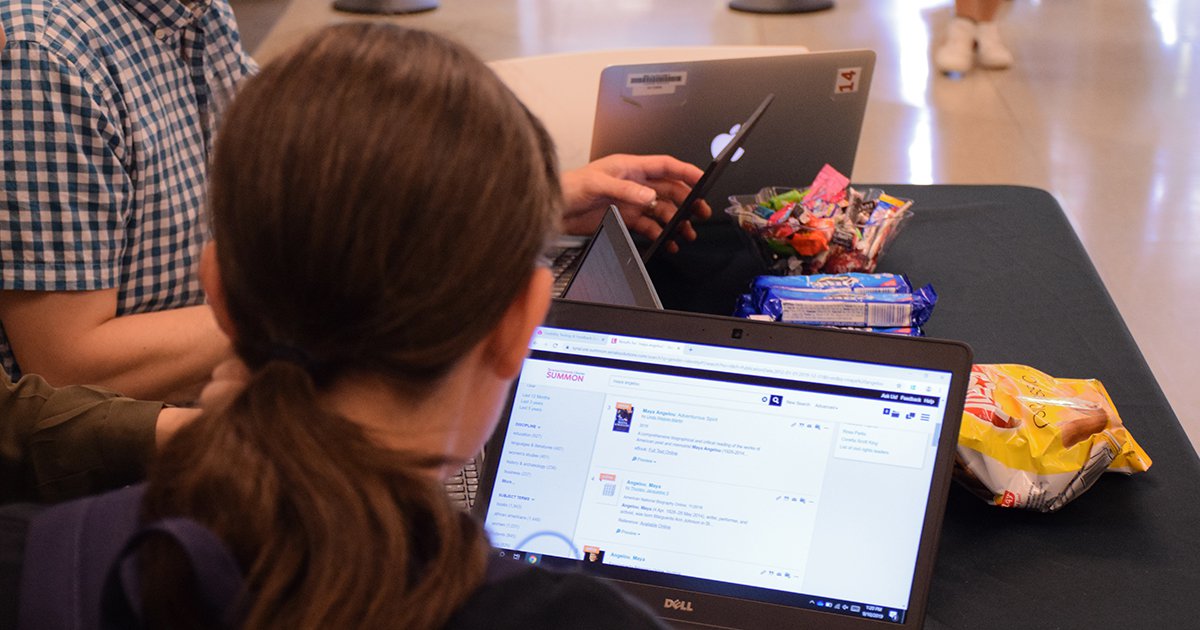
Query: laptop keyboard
[561,265]
[464,485]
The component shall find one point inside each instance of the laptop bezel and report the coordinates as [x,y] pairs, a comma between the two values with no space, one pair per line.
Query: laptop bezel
[731,612]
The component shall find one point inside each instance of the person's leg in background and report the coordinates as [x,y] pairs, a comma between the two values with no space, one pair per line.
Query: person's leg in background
[974,24]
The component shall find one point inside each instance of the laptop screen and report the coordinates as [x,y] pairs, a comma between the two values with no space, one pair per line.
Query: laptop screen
[611,271]
[781,478]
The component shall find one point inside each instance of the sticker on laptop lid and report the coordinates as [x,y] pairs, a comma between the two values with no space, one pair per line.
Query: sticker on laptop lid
[847,80]
[655,83]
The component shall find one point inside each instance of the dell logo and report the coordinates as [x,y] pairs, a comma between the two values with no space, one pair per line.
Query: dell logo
[677,604]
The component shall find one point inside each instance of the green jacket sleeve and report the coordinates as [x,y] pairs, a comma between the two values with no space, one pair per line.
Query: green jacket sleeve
[62,443]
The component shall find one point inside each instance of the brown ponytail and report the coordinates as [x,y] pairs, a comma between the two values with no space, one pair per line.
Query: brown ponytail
[378,199]
[335,531]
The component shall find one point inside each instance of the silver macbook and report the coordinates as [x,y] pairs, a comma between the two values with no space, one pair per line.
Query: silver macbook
[730,473]
[687,109]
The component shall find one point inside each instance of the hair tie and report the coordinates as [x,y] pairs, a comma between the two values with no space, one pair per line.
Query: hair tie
[290,354]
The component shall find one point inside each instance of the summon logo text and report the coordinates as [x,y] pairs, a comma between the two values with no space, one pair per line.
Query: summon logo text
[562,375]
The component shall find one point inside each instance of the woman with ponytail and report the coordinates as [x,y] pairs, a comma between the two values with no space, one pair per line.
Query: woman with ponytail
[379,202]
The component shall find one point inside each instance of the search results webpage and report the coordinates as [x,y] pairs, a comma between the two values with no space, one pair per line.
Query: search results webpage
[793,474]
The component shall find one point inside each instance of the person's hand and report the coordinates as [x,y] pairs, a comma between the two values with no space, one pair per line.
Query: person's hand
[170,421]
[228,380]
[645,188]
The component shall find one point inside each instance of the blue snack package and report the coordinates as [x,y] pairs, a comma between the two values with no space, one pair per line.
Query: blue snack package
[835,283]
[910,331]
[745,306]
[874,310]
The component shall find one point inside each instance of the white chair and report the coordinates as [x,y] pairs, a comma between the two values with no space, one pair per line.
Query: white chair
[561,89]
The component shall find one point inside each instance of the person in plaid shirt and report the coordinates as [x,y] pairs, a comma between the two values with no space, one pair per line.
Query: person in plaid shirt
[107,110]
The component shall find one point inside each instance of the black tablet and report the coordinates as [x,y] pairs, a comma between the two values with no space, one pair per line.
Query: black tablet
[721,160]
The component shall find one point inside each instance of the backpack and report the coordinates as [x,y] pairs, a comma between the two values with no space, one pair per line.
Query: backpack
[80,570]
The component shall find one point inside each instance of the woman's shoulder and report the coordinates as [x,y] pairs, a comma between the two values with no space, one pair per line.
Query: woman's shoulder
[535,598]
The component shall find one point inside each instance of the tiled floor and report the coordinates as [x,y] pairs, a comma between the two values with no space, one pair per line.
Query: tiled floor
[1102,109]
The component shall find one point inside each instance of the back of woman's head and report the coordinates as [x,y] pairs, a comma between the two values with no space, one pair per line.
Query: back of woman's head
[378,200]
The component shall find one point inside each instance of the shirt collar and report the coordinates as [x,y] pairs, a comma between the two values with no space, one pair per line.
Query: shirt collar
[172,14]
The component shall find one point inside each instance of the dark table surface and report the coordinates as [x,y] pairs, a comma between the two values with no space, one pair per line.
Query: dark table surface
[1016,284]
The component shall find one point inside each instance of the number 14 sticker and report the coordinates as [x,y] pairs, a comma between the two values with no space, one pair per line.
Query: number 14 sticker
[847,80]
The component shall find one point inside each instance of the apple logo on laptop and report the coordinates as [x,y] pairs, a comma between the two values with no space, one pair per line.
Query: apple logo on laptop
[723,139]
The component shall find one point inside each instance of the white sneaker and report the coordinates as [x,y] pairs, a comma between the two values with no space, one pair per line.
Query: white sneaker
[957,53]
[993,53]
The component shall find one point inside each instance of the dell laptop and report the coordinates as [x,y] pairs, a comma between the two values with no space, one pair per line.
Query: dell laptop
[729,473]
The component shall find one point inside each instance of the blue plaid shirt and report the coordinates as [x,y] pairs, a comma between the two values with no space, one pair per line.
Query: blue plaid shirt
[106,113]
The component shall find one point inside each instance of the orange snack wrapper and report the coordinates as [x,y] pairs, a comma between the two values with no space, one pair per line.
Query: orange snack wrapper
[1029,440]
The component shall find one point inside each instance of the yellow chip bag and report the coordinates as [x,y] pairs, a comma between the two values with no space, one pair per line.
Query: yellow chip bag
[1029,440]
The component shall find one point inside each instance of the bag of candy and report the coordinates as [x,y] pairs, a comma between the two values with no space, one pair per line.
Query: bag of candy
[827,227]
[1029,440]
